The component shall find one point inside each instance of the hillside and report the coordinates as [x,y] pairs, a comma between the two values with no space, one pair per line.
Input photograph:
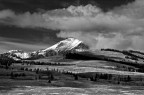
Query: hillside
[70,63]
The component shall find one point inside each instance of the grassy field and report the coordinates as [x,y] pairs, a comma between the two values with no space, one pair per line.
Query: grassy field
[65,81]
[94,89]
[86,66]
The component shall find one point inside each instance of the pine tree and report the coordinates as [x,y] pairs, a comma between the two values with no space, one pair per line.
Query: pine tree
[128,78]
[75,76]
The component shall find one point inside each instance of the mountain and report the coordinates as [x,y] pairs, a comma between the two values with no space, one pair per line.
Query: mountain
[72,48]
[68,44]
[62,47]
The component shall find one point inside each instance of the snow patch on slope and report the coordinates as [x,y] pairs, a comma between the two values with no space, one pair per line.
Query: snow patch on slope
[61,47]
[67,44]
[19,53]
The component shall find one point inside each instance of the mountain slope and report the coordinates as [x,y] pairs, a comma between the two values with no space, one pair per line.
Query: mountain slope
[110,55]
[62,47]
[72,48]
[67,44]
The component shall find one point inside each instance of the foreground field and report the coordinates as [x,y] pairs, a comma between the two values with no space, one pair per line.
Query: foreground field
[94,90]
[71,78]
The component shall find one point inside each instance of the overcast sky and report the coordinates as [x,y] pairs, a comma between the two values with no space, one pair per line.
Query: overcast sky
[37,24]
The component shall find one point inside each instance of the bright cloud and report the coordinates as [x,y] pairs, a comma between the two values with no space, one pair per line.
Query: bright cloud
[122,27]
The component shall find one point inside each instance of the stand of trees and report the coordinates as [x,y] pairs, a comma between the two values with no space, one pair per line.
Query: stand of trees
[44,63]
[6,62]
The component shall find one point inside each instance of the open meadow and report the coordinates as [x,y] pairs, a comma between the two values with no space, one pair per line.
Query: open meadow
[70,78]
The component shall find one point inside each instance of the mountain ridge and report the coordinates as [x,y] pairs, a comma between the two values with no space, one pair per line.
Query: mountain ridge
[72,48]
[62,47]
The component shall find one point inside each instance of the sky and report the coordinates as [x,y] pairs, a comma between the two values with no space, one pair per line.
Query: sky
[37,24]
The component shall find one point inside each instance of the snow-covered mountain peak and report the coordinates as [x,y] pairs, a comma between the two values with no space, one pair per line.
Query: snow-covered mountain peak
[69,44]
[66,44]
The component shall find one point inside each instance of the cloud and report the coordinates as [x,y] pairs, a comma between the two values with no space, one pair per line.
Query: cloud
[113,29]
[22,20]
[117,28]
[81,36]
[97,41]
[132,10]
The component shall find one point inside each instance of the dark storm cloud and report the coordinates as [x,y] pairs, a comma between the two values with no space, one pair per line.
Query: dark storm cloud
[28,35]
[26,38]
[7,44]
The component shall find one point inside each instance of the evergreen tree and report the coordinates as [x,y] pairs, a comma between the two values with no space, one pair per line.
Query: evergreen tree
[75,76]
[128,78]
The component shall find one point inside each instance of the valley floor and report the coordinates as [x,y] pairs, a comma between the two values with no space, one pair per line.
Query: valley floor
[71,78]
[11,87]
